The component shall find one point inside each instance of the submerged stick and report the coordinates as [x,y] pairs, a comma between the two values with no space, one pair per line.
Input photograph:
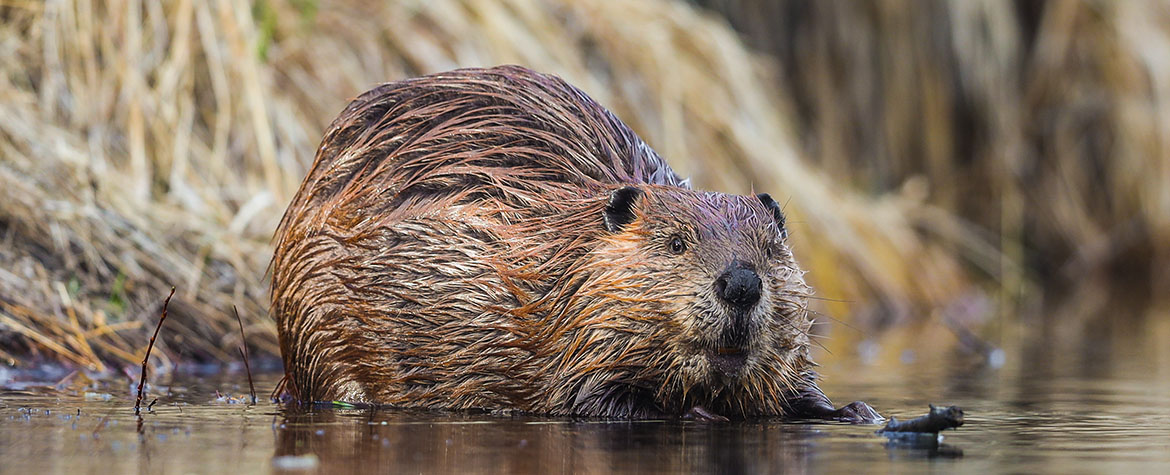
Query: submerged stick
[244,353]
[142,381]
[938,419]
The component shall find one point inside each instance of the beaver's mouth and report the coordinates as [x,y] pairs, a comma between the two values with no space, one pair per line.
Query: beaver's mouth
[728,360]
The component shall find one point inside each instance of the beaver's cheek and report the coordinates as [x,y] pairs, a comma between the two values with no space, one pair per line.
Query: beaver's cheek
[693,370]
[700,334]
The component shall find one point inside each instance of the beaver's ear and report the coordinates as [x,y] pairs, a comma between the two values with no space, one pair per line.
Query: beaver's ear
[774,207]
[619,211]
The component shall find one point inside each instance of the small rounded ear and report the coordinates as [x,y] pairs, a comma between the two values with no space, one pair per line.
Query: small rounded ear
[774,207]
[619,211]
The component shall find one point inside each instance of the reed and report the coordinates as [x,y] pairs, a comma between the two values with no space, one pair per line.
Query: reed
[1043,124]
[146,144]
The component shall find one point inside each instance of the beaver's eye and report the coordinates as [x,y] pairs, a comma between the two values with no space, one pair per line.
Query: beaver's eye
[676,245]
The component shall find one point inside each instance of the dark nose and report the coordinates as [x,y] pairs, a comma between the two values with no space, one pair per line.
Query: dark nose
[739,286]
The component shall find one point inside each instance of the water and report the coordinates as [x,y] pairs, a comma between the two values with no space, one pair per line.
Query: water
[1105,411]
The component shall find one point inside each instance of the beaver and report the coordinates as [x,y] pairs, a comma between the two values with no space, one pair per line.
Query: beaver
[493,239]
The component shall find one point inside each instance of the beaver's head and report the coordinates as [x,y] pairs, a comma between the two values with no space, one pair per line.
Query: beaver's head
[722,298]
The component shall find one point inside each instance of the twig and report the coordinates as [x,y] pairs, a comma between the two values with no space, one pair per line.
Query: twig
[939,418]
[142,381]
[244,353]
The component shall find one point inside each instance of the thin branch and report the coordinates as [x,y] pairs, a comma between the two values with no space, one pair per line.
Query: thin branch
[244,353]
[142,381]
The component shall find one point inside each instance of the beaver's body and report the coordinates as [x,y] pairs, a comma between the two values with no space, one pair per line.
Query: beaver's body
[494,239]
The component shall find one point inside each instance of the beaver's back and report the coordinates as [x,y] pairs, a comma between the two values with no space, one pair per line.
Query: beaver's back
[421,192]
[483,131]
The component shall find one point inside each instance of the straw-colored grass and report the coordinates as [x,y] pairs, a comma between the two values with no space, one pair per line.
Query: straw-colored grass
[146,144]
[1044,123]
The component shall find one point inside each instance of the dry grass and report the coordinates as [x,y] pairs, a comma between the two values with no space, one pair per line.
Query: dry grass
[1043,123]
[147,144]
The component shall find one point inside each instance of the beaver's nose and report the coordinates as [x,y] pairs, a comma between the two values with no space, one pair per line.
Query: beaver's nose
[739,286]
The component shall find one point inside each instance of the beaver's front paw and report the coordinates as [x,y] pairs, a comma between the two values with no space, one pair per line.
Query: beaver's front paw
[856,412]
[701,414]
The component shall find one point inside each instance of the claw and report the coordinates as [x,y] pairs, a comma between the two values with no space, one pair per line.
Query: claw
[701,414]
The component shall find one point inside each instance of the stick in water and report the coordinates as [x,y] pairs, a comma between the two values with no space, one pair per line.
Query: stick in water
[142,382]
[938,419]
[244,353]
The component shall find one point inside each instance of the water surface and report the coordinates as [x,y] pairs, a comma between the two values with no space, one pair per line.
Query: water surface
[1044,410]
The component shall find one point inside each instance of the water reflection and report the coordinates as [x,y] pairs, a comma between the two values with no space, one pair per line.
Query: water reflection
[901,449]
[449,443]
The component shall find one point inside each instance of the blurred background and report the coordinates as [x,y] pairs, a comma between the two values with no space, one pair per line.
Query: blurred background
[960,177]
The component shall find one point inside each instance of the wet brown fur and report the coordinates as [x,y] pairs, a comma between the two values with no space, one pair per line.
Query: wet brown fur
[447,250]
